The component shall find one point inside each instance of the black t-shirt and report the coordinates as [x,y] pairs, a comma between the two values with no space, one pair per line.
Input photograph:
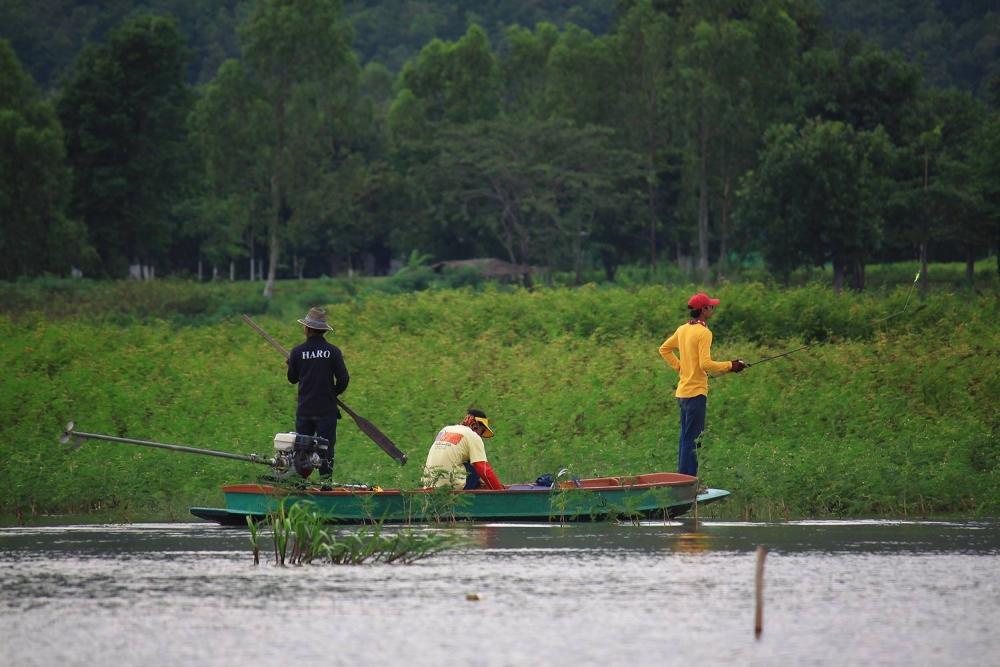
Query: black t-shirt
[318,368]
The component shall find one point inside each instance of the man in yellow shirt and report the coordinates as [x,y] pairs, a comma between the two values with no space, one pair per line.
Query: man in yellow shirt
[458,456]
[693,341]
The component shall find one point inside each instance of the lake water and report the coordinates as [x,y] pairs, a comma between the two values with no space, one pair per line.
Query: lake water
[836,593]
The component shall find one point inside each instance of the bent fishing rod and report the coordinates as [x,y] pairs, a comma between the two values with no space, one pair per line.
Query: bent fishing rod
[368,428]
[884,319]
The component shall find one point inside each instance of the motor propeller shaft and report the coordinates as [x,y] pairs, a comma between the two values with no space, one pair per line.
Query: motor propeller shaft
[70,433]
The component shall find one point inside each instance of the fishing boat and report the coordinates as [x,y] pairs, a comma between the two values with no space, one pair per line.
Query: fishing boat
[296,456]
[652,495]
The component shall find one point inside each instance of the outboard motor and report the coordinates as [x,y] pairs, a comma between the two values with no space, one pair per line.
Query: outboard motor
[301,453]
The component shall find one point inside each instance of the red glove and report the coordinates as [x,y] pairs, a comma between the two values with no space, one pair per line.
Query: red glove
[739,365]
[489,477]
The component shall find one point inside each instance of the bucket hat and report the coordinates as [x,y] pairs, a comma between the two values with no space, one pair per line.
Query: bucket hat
[316,319]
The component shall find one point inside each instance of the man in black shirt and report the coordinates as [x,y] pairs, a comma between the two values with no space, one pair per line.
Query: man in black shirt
[318,368]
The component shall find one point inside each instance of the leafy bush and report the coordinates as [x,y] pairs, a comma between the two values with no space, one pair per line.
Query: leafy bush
[859,423]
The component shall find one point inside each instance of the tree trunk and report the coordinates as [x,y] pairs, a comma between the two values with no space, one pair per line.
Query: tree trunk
[838,276]
[277,195]
[970,265]
[703,203]
[232,271]
[651,199]
[924,284]
[724,216]
[199,269]
[272,264]
[610,265]
[858,275]
[923,243]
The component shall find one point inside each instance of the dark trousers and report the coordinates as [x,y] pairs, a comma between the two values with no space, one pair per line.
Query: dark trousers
[692,424]
[472,478]
[324,427]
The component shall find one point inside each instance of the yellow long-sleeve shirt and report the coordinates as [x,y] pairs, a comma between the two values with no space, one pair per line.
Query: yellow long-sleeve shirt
[694,342]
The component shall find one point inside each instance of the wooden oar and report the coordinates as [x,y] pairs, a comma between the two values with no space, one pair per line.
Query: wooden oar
[368,428]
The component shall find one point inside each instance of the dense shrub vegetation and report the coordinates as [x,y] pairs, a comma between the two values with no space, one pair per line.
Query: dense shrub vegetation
[887,418]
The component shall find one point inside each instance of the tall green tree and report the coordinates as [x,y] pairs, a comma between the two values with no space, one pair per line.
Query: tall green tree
[938,195]
[816,197]
[36,236]
[986,167]
[646,41]
[524,69]
[731,77]
[542,189]
[228,130]
[298,53]
[861,85]
[124,112]
[453,82]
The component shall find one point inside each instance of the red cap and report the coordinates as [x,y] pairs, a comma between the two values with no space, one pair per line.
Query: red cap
[700,300]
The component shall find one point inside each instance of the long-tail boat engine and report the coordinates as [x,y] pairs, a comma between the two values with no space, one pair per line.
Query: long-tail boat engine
[299,453]
[294,453]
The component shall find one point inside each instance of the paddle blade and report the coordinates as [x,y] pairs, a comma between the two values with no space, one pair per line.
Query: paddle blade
[376,436]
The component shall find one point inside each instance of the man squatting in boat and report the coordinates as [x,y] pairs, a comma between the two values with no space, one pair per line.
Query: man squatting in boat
[458,456]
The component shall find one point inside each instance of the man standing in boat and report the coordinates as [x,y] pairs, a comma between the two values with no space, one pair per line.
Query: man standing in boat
[319,370]
[458,456]
[693,340]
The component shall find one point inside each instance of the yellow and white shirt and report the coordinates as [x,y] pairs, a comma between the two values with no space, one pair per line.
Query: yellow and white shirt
[694,342]
[453,447]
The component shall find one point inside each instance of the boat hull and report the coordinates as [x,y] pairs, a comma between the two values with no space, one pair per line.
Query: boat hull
[654,495]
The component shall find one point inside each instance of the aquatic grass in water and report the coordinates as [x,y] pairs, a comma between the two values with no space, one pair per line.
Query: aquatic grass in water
[252,525]
[301,537]
[441,502]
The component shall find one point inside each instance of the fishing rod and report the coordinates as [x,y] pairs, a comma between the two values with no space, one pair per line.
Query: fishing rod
[905,303]
[807,345]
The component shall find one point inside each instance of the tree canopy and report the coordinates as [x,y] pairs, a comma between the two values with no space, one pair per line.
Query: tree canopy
[294,137]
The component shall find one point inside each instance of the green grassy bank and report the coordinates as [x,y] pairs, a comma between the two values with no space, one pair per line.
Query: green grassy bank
[892,418]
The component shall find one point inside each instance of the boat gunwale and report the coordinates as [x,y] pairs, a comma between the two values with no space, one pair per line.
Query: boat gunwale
[270,490]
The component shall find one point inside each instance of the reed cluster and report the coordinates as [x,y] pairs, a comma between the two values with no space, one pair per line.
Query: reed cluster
[301,536]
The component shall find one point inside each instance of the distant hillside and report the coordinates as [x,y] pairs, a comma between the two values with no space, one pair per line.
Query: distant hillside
[956,41]
[47,35]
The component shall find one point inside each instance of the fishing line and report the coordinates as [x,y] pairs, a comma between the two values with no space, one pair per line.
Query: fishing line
[905,303]
[889,317]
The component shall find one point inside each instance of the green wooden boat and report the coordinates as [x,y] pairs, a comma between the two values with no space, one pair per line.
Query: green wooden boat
[654,495]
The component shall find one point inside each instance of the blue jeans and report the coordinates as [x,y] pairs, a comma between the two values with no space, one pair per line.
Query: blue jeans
[472,478]
[692,424]
[324,427]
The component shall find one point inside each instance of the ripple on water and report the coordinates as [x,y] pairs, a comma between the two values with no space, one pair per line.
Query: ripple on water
[873,593]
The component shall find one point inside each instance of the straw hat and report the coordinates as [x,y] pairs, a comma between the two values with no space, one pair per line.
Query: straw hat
[316,319]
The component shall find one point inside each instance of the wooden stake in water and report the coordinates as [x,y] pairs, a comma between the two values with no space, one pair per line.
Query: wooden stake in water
[758,622]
